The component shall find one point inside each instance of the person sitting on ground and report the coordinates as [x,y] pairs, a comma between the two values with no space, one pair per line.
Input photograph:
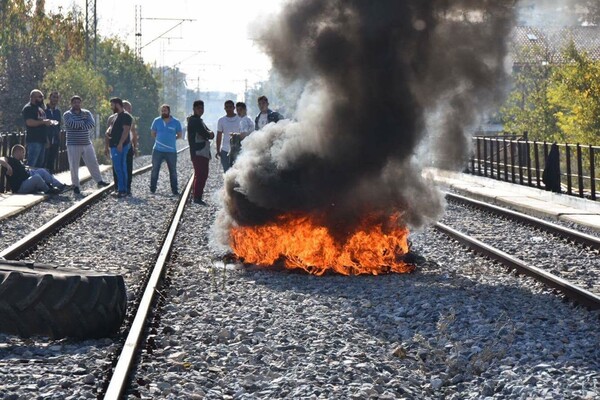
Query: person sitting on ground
[25,181]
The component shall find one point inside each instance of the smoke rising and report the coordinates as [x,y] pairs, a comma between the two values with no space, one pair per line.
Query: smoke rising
[381,77]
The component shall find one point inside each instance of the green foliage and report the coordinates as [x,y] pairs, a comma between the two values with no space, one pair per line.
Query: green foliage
[130,79]
[44,51]
[555,102]
[527,108]
[574,92]
[30,44]
[76,77]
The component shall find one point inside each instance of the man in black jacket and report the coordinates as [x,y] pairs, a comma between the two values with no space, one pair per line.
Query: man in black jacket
[199,137]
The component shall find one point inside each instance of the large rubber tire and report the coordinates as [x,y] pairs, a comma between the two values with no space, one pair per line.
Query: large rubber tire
[45,300]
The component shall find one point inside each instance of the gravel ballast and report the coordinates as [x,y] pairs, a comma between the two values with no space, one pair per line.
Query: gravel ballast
[460,327]
[457,328]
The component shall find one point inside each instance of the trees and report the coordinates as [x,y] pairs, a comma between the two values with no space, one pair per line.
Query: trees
[77,77]
[39,50]
[527,108]
[556,101]
[31,43]
[129,78]
[574,92]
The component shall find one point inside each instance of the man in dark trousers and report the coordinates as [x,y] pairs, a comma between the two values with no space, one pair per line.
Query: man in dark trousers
[118,144]
[133,136]
[199,136]
[53,113]
[35,124]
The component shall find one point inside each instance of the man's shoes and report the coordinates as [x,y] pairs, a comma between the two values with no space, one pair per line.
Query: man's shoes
[119,195]
[76,190]
[102,184]
[175,193]
[198,200]
[63,188]
[152,190]
[52,190]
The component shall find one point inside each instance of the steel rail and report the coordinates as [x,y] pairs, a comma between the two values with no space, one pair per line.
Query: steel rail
[572,291]
[33,238]
[30,240]
[570,234]
[119,379]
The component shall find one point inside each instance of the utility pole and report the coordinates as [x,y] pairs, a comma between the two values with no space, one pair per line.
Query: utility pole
[138,31]
[91,42]
[91,37]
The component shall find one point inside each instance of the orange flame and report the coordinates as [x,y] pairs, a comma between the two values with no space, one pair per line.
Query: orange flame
[373,248]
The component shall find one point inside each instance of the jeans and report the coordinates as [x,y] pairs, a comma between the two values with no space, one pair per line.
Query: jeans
[33,184]
[225,162]
[35,154]
[200,175]
[46,176]
[129,170]
[157,159]
[39,180]
[119,160]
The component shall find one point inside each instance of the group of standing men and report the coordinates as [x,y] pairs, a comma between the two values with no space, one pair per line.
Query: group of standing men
[232,128]
[43,125]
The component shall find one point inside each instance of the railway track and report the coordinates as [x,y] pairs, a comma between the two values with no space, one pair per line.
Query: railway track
[27,244]
[119,376]
[570,289]
[215,335]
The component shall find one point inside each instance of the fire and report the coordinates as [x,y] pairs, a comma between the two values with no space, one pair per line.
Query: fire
[373,248]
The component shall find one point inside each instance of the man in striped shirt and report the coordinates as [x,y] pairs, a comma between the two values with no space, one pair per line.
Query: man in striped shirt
[78,123]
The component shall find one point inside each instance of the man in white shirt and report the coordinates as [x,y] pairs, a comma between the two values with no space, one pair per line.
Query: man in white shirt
[246,128]
[228,124]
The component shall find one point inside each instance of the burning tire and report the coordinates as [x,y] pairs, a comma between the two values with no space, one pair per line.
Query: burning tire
[46,300]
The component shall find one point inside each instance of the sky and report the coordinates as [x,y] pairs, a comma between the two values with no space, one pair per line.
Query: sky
[216,50]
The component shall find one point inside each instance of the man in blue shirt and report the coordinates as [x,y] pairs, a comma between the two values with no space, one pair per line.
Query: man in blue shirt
[165,130]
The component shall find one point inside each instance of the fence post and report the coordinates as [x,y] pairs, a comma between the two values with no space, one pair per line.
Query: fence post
[484,158]
[498,167]
[568,158]
[580,171]
[491,158]
[528,152]
[478,157]
[537,164]
[521,162]
[512,160]
[473,160]
[505,159]
[592,173]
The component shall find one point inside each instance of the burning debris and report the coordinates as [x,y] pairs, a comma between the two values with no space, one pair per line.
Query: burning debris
[338,187]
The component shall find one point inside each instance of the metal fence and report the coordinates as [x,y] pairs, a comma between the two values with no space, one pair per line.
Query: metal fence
[9,139]
[514,159]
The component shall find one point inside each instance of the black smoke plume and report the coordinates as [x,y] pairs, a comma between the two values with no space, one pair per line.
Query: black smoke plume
[381,78]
